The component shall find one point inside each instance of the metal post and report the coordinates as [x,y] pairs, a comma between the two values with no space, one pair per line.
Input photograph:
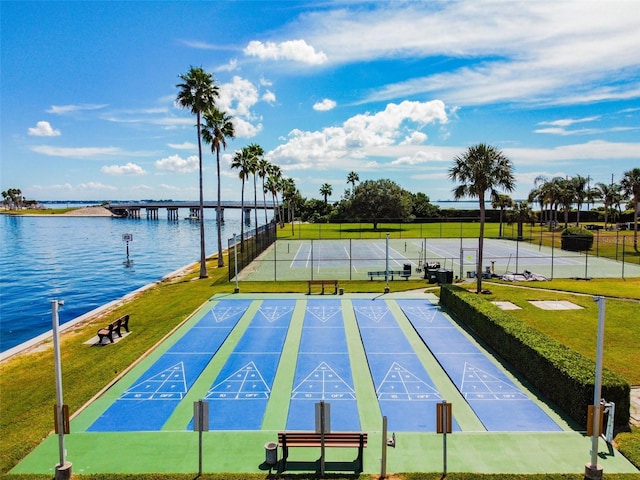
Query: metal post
[383,459]
[624,246]
[593,470]
[445,422]
[322,438]
[63,469]
[312,259]
[386,271]
[235,262]
[553,247]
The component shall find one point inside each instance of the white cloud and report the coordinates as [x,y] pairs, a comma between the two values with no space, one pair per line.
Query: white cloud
[237,97]
[296,50]
[43,129]
[324,105]
[175,163]
[128,169]
[230,66]
[183,146]
[360,136]
[93,186]
[64,109]
[244,129]
[544,52]
[269,96]
[567,122]
[415,138]
[77,152]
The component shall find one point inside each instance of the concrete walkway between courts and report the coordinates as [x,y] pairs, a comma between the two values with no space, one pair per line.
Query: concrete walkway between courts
[262,362]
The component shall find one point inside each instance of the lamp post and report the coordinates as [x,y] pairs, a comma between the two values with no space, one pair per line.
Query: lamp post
[63,469]
[592,470]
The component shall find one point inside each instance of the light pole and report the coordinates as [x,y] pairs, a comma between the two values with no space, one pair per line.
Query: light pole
[63,469]
[592,470]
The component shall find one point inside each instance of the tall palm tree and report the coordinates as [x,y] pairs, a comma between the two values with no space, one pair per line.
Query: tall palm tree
[631,186]
[502,201]
[481,169]
[263,171]
[565,195]
[217,128]
[274,178]
[352,178]
[198,93]
[256,153]
[289,194]
[325,191]
[242,161]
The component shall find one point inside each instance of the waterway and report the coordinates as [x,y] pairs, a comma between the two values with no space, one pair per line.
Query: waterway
[83,261]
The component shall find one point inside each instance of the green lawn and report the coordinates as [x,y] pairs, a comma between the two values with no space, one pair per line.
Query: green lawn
[578,328]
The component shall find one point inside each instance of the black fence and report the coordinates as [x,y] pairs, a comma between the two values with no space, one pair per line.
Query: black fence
[243,250]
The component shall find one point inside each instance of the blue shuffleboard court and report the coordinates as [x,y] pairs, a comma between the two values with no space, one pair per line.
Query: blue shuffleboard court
[150,401]
[499,403]
[323,370]
[239,395]
[406,393]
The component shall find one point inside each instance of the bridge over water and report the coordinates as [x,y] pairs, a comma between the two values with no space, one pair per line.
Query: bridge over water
[133,209]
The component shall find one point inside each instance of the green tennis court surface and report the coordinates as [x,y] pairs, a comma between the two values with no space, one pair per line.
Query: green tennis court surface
[263,361]
[353,259]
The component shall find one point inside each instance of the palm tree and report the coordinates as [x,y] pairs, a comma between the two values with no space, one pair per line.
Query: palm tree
[579,184]
[241,161]
[274,178]
[607,193]
[565,195]
[502,201]
[217,128]
[479,170]
[325,191]
[289,194]
[631,186]
[263,171]
[198,93]
[255,154]
[352,178]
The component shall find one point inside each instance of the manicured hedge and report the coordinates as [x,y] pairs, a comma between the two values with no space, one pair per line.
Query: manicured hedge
[561,374]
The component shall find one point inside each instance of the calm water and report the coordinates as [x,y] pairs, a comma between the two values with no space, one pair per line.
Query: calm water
[81,260]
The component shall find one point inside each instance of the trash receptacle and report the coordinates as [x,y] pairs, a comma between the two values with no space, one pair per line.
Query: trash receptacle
[444,276]
[271,453]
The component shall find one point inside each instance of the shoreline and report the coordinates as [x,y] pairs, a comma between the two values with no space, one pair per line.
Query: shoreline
[79,212]
[35,341]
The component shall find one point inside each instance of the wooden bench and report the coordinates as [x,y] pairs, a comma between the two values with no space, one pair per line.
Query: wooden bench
[114,327]
[322,283]
[382,273]
[288,440]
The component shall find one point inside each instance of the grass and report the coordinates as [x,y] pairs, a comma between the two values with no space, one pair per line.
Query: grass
[37,211]
[26,379]
[578,328]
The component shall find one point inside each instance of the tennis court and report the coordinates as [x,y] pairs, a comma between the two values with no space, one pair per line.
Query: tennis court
[353,259]
[263,361]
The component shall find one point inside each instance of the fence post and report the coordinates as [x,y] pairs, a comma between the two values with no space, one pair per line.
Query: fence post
[624,247]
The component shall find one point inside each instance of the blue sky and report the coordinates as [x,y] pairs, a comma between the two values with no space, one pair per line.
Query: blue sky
[386,89]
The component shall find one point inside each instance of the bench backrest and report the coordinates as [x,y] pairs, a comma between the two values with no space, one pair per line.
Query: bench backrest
[334,438]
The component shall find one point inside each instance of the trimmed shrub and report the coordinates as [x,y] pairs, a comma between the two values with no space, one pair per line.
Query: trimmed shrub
[563,375]
[576,239]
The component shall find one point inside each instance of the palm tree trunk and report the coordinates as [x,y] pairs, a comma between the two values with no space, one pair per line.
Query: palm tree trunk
[203,257]
[264,203]
[219,214]
[242,217]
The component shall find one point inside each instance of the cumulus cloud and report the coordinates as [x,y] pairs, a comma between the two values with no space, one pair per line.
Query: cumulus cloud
[43,129]
[93,186]
[128,169]
[324,105]
[175,163]
[359,136]
[295,50]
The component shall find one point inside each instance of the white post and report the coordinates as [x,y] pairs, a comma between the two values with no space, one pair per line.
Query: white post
[593,470]
[63,469]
